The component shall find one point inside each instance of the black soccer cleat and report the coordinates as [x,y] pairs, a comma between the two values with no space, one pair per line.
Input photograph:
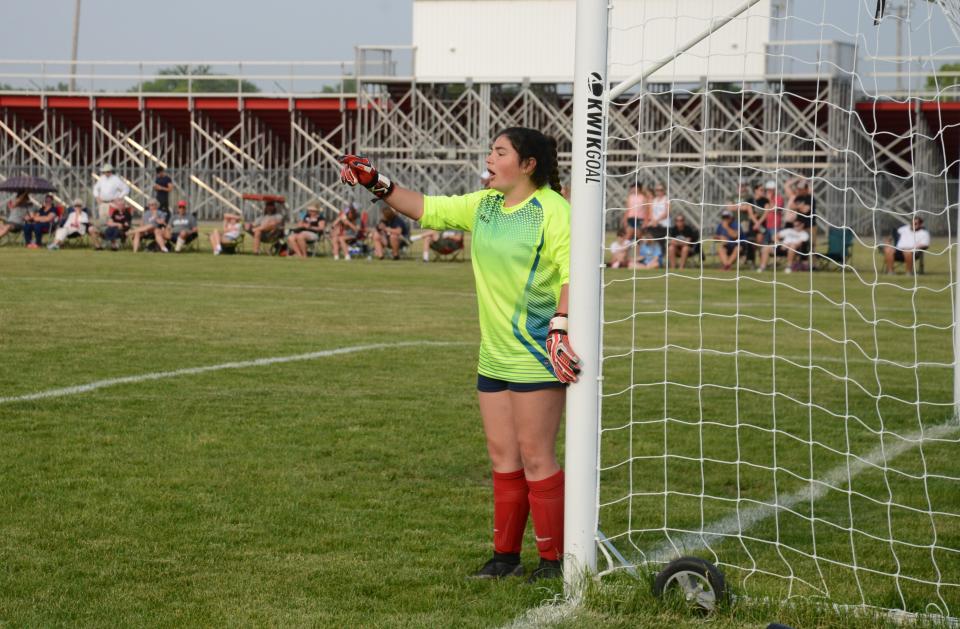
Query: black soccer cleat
[498,567]
[548,569]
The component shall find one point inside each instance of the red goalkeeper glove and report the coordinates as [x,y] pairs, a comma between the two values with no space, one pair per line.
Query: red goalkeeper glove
[358,170]
[566,364]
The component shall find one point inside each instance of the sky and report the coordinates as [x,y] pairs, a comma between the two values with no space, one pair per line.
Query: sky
[307,30]
[325,30]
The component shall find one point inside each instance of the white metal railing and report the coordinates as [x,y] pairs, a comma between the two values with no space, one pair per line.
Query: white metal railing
[886,76]
[194,77]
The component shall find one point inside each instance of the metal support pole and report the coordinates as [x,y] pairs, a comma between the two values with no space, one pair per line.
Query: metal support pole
[956,307]
[586,258]
[73,53]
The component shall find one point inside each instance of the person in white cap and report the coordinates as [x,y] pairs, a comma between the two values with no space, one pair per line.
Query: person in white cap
[108,191]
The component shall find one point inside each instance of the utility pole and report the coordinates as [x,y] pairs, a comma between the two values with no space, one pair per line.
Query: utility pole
[73,56]
[902,11]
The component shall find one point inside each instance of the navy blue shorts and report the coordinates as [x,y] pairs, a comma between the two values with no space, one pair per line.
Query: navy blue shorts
[495,385]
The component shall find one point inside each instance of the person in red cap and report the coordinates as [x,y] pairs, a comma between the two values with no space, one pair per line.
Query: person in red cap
[182,227]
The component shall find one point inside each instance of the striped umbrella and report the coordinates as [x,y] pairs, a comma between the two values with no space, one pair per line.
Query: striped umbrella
[27,184]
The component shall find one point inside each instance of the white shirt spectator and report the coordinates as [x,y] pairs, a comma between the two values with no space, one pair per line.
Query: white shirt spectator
[908,239]
[109,188]
[791,237]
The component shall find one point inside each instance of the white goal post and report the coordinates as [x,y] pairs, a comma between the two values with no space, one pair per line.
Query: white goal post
[788,412]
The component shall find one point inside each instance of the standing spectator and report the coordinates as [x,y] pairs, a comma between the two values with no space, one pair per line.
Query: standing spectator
[109,191]
[683,239]
[162,187]
[20,207]
[776,199]
[231,232]
[772,220]
[620,250]
[267,228]
[392,230]
[114,231]
[728,233]
[308,230]
[181,227]
[752,227]
[74,223]
[911,241]
[39,221]
[658,219]
[801,201]
[638,211]
[152,225]
[804,207]
[348,228]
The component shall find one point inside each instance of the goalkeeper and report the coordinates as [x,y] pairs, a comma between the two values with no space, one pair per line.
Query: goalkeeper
[520,251]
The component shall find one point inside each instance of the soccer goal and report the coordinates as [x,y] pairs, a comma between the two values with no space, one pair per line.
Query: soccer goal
[774,392]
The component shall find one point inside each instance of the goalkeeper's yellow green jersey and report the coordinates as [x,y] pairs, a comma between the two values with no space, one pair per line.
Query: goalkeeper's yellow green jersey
[521,258]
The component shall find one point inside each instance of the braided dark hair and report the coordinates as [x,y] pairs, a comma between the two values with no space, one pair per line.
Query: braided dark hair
[543,148]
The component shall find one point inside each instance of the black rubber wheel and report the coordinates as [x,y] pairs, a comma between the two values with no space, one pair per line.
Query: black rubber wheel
[699,582]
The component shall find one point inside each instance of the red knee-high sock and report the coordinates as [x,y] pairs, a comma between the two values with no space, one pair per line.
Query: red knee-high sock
[546,506]
[510,511]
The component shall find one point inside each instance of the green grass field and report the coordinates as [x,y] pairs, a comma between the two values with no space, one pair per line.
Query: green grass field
[353,489]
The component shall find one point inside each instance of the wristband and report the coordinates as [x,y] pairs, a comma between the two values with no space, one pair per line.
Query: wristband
[382,187]
[559,323]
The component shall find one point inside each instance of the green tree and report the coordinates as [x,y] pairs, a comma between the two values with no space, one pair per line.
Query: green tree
[174,80]
[346,86]
[943,83]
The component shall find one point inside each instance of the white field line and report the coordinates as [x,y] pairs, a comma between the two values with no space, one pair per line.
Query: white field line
[837,477]
[230,285]
[258,362]
[546,614]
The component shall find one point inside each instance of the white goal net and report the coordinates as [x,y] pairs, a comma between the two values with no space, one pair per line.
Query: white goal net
[783,405]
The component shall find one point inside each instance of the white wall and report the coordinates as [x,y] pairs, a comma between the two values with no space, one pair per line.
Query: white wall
[508,40]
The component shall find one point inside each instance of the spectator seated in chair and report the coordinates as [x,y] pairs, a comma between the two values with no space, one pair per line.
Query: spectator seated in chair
[683,239]
[268,228]
[182,227]
[728,235]
[910,243]
[153,225]
[649,252]
[229,235]
[39,221]
[393,231]
[349,228]
[308,231]
[794,242]
[74,224]
[446,243]
[18,208]
[620,249]
[115,229]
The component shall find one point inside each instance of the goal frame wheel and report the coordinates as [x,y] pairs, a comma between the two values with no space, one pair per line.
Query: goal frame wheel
[701,583]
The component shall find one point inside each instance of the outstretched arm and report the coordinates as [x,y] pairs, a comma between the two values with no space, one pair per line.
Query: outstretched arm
[407,202]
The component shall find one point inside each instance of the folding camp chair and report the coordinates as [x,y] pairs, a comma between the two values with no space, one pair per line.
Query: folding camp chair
[839,248]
